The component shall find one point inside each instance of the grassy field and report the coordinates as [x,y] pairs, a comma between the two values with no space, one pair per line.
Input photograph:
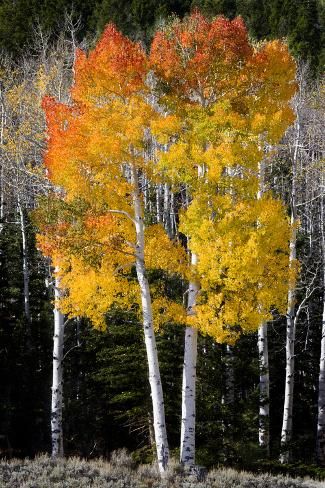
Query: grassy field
[121,472]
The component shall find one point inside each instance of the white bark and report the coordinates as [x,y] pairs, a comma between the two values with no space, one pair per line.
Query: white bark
[158,203]
[25,262]
[320,447]
[264,387]
[57,382]
[187,444]
[173,223]
[263,354]
[286,432]
[321,398]
[167,216]
[149,335]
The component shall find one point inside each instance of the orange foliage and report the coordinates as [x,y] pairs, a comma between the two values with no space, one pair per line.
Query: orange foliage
[116,65]
[94,145]
[201,56]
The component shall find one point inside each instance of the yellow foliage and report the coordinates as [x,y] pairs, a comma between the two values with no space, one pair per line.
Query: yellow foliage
[163,253]
[242,254]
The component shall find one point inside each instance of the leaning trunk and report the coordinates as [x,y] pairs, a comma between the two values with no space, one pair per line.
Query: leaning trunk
[25,262]
[187,444]
[57,383]
[159,422]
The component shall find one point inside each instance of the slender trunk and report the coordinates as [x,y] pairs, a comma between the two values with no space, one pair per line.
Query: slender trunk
[167,215]
[149,335]
[264,387]
[57,382]
[320,447]
[158,204]
[286,432]
[25,262]
[187,443]
[263,354]
[173,223]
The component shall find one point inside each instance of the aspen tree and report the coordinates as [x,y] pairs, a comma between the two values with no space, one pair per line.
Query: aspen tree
[300,153]
[57,375]
[96,153]
[262,343]
[321,382]
[220,92]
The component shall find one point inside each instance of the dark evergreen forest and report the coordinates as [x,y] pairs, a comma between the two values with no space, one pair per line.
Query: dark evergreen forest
[301,22]
[107,401]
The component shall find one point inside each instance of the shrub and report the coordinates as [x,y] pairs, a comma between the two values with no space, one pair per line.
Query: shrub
[121,472]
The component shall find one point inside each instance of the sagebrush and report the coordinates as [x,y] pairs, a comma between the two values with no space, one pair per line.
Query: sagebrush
[121,472]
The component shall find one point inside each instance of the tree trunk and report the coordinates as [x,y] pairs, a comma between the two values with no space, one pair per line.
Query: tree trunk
[263,355]
[320,447]
[264,386]
[286,432]
[159,212]
[57,382]
[187,444]
[25,262]
[149,335]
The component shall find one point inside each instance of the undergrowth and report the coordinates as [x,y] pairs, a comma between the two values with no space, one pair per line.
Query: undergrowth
[121,472]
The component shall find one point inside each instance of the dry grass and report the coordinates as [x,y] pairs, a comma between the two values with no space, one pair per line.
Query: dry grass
[120,472]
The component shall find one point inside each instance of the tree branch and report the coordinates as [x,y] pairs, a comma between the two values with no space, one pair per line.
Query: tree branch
[123,212]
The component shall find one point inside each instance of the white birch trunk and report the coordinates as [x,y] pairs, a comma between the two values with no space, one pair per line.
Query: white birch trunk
[187,444]
[173,223]
[57,381]
[158,204]
[25,262]
[149,335]
[320,446]
[263,355]
[286,432]
[264,390]
[167,212]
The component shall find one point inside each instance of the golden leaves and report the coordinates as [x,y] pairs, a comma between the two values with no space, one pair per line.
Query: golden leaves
[224,100]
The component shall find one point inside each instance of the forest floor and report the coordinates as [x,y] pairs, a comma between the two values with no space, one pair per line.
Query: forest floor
[120,472]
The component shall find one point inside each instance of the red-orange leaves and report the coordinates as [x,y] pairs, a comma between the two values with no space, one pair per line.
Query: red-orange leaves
[198,58]
[117,66]
[61,121]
